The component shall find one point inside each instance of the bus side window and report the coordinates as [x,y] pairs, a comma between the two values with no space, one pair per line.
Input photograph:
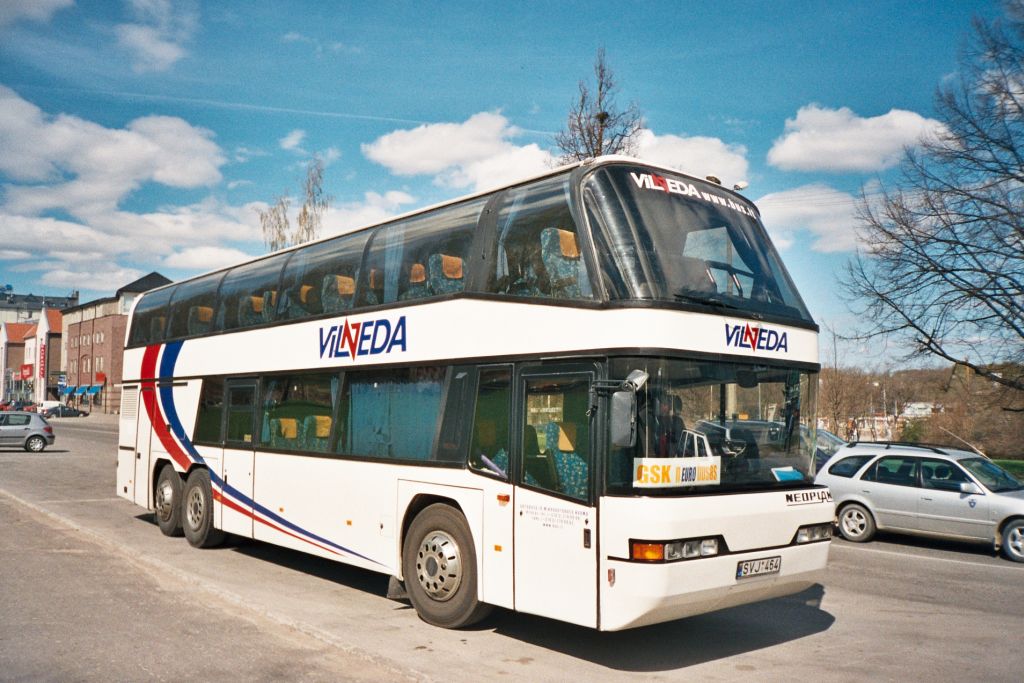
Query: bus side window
[490,449]
[211,409]
[538,252]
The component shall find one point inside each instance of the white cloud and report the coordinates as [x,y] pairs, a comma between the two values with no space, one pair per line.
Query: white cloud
[837,140]
[697,156]
[374,208]
[65,162]
[477,152]
[205,258]
[156,39]
[826,213]
[293,141]
[31,10]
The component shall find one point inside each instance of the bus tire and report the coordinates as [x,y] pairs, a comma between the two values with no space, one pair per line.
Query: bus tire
[439,564]
[197,511]
[167,501]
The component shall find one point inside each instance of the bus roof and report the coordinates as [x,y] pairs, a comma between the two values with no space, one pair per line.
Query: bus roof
[593,163]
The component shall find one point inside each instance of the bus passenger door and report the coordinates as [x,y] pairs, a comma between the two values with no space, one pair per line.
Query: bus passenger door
[555,521]
[143,444]
[238,459]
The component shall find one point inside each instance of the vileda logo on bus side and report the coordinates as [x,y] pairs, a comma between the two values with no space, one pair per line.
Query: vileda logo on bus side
[364,338]
[759,338]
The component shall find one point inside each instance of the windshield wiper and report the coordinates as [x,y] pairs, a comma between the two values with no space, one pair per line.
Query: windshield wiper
[705,300]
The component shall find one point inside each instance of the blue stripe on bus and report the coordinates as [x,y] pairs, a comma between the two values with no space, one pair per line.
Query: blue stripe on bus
[167,363]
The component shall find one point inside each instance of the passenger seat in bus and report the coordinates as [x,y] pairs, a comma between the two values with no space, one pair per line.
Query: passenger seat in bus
[250,311]
[374,288]
[571,466]
[539,467]
[156,328]
[337,293]
[200,319]
[417,285]
[284,433]
[445,274]
[304,301]
[269,305]
[561,255]
[316,432]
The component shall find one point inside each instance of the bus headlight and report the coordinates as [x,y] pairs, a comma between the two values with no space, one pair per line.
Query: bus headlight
[647,551]
[814,532]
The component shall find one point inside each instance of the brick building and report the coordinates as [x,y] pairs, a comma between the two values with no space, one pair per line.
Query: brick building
[93,346]
[12,357]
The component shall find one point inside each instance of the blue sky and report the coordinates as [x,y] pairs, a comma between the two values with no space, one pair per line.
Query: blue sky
[143,135]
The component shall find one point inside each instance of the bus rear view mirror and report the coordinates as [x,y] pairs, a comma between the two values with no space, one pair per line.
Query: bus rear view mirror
[623,417]
[746,379]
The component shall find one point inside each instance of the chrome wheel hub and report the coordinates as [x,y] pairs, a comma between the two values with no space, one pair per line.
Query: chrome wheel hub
[439,565]
[165,500]
[854,522]
[194,508]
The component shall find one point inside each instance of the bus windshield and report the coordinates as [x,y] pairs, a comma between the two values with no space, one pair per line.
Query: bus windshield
[673,238]
[708,426]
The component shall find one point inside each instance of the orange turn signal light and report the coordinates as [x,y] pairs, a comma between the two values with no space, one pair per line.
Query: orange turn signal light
[649,552]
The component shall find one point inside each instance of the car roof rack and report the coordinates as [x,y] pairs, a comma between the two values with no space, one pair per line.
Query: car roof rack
[935,448]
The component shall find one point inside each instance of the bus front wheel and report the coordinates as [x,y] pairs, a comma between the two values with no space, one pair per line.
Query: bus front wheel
[198,511]
[439,564]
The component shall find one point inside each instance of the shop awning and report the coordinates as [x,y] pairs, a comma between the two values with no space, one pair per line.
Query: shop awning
[81,390]
[95,389]
[67,391]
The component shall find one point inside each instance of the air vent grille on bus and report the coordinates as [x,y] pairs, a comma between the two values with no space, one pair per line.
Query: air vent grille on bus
[129,402]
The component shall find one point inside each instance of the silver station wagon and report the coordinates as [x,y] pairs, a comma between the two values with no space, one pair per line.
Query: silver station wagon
[925,490]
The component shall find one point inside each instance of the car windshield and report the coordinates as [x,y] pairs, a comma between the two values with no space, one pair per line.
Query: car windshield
[672,238]
[708,426]
[994,477]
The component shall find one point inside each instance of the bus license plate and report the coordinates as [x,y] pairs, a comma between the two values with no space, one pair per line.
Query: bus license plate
[758,567]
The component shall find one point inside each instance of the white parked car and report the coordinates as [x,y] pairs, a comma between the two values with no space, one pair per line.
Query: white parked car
[925,490]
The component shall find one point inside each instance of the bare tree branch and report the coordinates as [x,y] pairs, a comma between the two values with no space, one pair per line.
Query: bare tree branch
[277,229]
[595,125]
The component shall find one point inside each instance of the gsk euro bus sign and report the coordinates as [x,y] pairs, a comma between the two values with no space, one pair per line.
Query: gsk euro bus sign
[364,338]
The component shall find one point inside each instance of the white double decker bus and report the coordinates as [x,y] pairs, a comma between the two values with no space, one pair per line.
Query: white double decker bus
[588,396]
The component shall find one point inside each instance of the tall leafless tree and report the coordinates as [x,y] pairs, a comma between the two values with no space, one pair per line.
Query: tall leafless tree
[943,268]
[277,228]
[596,125]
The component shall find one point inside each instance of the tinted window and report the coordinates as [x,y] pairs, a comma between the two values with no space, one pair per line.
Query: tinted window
[194,307]
[897,470]
[847,467]
[298,411]
[18,420]
[420,257]
[390,413]
[942,475]
[149,322]
[673,238]
[211,406]
[320,278]
[556,435]
[490,448]
[539,252]
[248,295]
[241,400]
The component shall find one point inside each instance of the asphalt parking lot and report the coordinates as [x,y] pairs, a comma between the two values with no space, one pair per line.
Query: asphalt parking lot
[895,609]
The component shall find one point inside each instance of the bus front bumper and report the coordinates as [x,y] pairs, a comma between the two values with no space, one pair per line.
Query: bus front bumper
[637,594]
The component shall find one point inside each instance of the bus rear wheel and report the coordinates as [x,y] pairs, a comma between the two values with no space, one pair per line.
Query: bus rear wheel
[167,501]
[439,564]
[198,511]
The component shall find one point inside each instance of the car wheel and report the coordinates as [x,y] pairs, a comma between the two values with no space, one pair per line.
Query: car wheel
[1013,540]
[35,444]
[167,501]
[439,564]
[198,511]
[856,523]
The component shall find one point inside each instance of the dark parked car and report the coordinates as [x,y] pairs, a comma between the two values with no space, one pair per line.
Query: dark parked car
[30,431]
[64,411]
